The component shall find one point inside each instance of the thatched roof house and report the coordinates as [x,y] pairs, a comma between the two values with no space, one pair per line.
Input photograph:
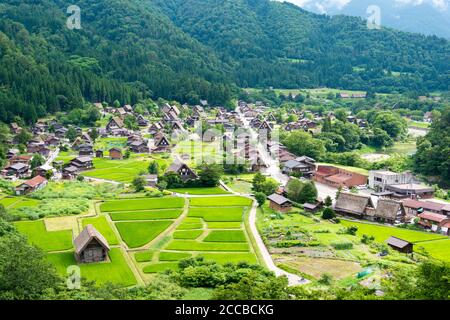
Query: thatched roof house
[354,204]
[90,246]
[389,211]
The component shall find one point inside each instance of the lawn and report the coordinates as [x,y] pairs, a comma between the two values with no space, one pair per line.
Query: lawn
[47,241]
[160,267]
[200,191]
[224,225]
[173,256]
[137,234]
[116,271]
[220,201]
[233,214]
[226,236]
[439,249]
[190,245]
[102,226]
[146,215]
[187,234]
[142,204]
[191,223]
[382,233]
[225,257]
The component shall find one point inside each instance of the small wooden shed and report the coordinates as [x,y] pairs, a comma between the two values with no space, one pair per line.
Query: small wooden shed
[90,246]
[400,245]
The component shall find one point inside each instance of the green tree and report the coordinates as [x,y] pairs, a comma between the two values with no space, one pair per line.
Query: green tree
[37,161]
[71,134]
[24,271]
[210,175]
[153,167]
[328,214]
[260,198]
[139,183]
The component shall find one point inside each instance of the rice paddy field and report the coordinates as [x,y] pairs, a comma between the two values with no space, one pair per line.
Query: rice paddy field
[116,270]
[212,229]
[10,202]
[200,191]
[48,241]
[102,226]
[122,170]
[142,204]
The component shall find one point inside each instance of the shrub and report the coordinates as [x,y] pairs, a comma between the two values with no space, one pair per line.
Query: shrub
[328,214]
[260,198]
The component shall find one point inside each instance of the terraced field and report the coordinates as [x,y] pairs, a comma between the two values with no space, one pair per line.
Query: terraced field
[213,229]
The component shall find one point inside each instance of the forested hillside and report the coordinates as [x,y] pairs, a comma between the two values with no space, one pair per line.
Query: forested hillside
[197,49]
[124,51]
[281,45]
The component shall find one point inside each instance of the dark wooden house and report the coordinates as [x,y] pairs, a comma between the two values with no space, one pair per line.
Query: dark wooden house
[279,203]
[400,245]
[90,246]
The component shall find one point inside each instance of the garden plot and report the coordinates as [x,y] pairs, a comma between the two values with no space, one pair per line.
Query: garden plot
[47,241]
[116,270]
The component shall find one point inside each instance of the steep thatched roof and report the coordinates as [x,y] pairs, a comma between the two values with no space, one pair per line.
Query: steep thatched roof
[88,234]
[388,209]
[352,203]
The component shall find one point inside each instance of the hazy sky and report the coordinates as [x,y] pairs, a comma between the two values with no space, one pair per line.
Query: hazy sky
[324,5]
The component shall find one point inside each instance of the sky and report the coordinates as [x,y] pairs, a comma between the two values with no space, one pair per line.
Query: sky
[323,6]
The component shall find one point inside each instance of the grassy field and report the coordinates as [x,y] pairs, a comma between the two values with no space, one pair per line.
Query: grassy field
[240,186]
[146,215]
[187,234]
[220,201]
[102,226]
[142,204]
[116,271]
[137,234]
[190,245]
[382,233]
[233,214]
[200,191]
[226,236]
[47,241]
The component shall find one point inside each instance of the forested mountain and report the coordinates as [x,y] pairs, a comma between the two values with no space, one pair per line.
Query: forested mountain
[124,51]
[281,45]
[193,49]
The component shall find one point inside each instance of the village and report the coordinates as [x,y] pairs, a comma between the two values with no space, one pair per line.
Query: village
[179,142]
